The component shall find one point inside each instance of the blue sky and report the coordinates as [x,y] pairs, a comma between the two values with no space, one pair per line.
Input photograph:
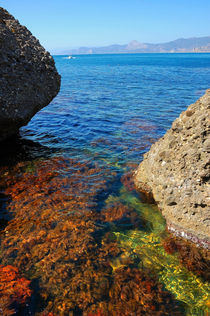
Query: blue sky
[61,24]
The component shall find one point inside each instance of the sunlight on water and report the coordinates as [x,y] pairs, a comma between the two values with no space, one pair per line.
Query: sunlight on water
[75,237]
[186,286]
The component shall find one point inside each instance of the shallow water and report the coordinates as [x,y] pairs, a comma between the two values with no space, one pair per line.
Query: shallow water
[62,191]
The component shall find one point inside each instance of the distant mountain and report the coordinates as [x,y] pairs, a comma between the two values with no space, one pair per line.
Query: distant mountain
[181,45]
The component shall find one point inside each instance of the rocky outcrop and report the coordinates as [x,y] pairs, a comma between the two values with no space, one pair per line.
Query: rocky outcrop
[176,172]
[28,77]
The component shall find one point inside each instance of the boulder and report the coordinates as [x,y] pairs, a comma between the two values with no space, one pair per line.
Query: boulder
[176,172]
[28,77]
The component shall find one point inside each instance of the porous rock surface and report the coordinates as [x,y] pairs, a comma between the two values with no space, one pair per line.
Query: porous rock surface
[28,77]
[176,172]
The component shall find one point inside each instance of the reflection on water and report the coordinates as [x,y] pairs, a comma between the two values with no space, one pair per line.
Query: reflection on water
[18,149]
[75,237]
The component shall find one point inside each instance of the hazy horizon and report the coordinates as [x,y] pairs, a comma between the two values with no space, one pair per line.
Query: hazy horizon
[63,50]
[73,24]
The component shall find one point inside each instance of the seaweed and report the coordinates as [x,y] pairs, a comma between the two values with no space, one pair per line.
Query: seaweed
[194,258]
[14,290]
[59,237]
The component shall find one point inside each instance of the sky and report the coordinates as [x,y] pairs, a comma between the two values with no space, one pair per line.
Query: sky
[61,24]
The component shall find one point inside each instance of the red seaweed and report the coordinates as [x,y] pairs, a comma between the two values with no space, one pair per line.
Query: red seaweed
[127,180]
[194,258]
[54,236]
[14,290]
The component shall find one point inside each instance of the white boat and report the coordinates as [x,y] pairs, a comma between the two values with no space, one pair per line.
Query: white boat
[70,57]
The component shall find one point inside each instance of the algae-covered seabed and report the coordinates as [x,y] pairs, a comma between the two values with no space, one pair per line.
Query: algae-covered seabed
[76,229]
[185,285]
[62,211]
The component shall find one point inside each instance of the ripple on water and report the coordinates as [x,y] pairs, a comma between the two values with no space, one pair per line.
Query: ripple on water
[77,229]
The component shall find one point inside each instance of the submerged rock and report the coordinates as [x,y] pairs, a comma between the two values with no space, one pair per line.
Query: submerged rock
[176,172]
[28,77]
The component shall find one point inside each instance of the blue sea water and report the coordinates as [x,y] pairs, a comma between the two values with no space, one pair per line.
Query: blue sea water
[129,100]
[110,109]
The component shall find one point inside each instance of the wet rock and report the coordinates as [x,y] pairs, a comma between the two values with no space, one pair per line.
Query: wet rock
[179,164]
[28,77]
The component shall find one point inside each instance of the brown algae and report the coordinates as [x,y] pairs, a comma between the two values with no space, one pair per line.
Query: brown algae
[89,260]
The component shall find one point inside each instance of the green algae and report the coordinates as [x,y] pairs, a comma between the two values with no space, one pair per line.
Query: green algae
[147,245]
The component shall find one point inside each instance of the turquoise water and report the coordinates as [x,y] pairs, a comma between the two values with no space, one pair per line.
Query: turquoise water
[71,182]
[129,100]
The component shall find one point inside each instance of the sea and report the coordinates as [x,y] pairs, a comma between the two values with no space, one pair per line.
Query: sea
[71,220]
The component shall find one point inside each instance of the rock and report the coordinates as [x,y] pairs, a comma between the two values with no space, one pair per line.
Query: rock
[179,164]
[28,77]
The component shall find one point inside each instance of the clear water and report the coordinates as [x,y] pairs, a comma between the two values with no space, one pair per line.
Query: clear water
[126,99]
[110,109]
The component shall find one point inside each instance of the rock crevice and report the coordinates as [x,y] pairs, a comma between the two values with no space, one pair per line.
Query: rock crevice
[176,171]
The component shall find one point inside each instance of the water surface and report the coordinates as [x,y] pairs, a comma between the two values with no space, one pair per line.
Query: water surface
[76,176]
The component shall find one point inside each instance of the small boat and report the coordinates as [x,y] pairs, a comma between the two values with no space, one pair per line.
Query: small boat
[70,57]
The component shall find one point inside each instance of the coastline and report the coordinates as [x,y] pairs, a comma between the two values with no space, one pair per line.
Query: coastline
[176,172]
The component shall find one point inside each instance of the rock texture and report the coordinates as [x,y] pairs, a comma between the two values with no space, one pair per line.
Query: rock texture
[176,172]
[28,77]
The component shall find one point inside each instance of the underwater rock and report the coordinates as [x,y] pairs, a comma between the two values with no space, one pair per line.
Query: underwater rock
[28,77]
[176,172]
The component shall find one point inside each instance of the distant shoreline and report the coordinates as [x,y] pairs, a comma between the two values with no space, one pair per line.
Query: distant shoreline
[180,45]
[151,53]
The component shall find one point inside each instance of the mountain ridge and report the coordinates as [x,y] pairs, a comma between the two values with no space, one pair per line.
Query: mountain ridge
[180,45]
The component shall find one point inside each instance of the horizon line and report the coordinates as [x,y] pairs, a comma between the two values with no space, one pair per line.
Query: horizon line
[126,53]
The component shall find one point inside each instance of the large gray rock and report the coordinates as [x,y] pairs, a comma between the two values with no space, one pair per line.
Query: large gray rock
[28,77]
[176,172]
